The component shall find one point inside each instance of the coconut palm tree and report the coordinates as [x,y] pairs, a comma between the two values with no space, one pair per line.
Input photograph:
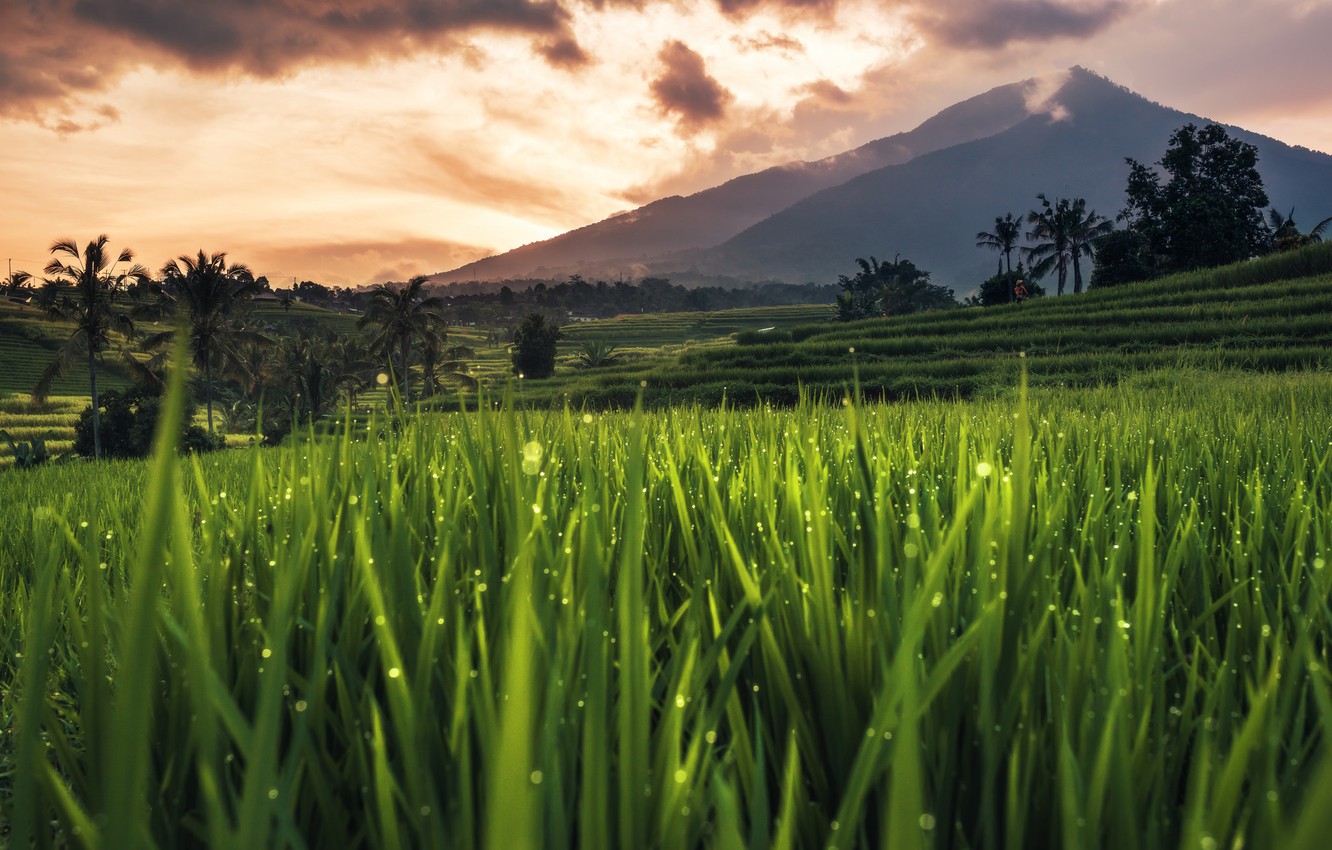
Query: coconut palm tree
[1003,238]
[1050,232]
[15,283]
[439,360]
[400,315]
[82,289]
[212,295]
[1084,228]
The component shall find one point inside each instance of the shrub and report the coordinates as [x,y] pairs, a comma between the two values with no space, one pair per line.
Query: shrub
[129,422]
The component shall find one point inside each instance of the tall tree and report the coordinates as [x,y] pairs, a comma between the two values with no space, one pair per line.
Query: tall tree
[1004,238]
[402,314]
[1084,228]
[1050,232]
[440,360]
[1210,211]
[534,342]
[212,296]
[82,289]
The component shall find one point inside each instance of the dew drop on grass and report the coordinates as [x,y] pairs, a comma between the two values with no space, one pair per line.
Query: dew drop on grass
[536,777]
[681,776]
[927,821]
[983,469]
[394,672]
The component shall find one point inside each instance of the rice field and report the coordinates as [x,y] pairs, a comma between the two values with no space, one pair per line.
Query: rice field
[1080,618]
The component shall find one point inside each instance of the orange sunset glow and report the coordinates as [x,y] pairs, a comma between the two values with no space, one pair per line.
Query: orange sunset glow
[358,141]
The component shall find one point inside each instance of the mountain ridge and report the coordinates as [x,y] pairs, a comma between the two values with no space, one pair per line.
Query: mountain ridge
[926,201]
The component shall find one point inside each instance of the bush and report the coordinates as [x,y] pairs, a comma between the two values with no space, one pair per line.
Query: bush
[999,288]
[129,423]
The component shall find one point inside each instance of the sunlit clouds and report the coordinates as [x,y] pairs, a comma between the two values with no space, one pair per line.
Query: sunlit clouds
[365,140]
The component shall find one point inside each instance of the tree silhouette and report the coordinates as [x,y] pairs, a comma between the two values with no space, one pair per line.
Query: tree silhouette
[1210,211]
[82,289]
[1084,228]
[1286,235]
[1050,232]
[400,315]
[15,283]
[212,295]
[534,347]
[1003,238]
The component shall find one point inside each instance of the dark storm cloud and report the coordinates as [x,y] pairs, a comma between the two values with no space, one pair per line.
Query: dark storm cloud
[997,23]
[55,50]
[686,90]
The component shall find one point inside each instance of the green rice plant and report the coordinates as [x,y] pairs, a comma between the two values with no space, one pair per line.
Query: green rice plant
[1051,617]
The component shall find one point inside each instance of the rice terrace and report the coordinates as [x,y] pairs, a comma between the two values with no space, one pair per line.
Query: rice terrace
[599,434]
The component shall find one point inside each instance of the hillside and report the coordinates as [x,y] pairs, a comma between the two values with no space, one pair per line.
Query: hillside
[1271,314]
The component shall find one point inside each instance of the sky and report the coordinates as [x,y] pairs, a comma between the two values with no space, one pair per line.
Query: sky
[359,141]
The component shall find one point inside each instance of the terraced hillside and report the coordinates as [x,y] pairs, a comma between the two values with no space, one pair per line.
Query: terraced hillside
[29,341]
[1270,314]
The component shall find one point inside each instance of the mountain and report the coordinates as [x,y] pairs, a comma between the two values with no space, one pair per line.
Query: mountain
[714,215]
[930,208]
[922,194]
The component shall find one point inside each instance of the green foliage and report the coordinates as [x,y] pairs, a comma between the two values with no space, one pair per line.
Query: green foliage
[27,453]
[889,289]
[129,421]
[1122,256]
[1084,619]
[596,353]
[1210,210]
[533,350]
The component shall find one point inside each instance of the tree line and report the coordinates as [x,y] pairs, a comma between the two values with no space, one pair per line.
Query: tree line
[116,308]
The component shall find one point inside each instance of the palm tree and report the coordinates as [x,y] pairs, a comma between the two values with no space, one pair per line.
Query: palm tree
[212,294]
[1286,235]
[1050,232]
[1003,238]
[82,289]
[1084,227]
[402,314]
[15,283]
[443,361]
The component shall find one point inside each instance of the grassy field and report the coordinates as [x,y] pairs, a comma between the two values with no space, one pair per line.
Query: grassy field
[1097,618]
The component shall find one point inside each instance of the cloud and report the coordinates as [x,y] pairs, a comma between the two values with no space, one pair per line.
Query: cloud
[686,90]
[992,24]
[739,8]
[56,53]
[768,41]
